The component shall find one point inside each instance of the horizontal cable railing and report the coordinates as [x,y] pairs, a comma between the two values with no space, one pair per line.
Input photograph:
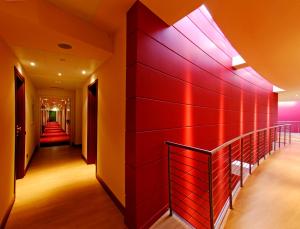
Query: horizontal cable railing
[295,125]
[202,183]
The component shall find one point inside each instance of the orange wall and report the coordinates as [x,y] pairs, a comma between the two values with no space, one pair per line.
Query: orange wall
[111,117]
[7,133]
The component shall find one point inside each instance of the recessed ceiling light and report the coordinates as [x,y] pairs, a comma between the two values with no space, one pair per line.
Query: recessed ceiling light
[59,74]
[32,64]
[64,46]
[83,72]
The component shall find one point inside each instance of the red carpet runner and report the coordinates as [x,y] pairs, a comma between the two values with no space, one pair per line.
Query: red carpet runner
[54,135]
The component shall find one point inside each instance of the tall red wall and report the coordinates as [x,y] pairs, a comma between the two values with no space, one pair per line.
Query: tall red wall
[180,87]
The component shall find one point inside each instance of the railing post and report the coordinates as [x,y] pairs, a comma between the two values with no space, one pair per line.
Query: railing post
[210,186]
[284,129]
[230,177]
[170,186]
[275,137]
[257,148]
[279,135]
[265,145]
[290,129]
[251,152]
[270,141]
[242,158]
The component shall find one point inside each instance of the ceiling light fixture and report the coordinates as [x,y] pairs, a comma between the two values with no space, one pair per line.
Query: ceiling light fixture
[64,46]
[83,72]
[32,64]
[59,74]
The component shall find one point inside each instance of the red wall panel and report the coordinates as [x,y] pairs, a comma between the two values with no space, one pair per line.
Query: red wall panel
[181,87]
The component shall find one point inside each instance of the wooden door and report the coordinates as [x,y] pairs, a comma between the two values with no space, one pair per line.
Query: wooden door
[19,125]
[92,123]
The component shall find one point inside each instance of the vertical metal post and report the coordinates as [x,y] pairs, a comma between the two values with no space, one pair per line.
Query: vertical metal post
[279,135]
[290,129]
[284,135]
[251,152]
[230,176]
[270,141]
[210,186]
[265,144]
[170,186]
[242,163]
[275,138]
[257,148]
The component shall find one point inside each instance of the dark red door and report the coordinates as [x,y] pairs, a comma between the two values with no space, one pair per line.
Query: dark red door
[19,125]
[92,123]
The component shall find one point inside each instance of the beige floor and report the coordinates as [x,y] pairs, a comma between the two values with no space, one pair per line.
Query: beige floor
[61,191]
[270,198]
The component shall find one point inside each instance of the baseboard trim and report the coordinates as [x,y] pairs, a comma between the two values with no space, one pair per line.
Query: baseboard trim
[7,213]
[83,158]
[156,217]
[77,145]
[111,195]
[30,160]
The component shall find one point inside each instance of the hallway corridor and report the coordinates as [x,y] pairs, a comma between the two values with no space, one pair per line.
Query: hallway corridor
[54,135]
[61,191]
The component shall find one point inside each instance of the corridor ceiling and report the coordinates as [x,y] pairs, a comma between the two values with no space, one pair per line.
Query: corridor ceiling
[33,28]
[266,34]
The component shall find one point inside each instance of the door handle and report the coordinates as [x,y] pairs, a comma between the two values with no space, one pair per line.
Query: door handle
[18,130]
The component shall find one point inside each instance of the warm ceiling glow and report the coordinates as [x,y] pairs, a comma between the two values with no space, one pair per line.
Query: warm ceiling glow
[32,64]
[59,74]
[83,72]
[277,89]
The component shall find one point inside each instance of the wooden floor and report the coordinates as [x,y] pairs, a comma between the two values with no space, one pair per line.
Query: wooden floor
[61,191]
[270,198]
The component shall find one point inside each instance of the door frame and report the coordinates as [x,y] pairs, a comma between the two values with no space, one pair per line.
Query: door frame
[92,122]
[20,114]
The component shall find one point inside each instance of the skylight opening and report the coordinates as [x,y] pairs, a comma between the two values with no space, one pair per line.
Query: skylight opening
[287,103]
[277,89]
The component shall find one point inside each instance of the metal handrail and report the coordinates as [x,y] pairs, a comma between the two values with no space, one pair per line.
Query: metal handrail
[243,136]
[213,151]
[269,145]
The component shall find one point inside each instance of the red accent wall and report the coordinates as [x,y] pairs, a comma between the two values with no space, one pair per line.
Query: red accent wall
[180,87]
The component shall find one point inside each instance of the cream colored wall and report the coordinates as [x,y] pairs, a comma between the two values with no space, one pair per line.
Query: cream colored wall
[78,116]
[7,131]
[111,117]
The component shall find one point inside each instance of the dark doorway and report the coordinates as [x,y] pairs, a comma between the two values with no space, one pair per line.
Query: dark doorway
[19,125]
[52,116]
[92,123]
